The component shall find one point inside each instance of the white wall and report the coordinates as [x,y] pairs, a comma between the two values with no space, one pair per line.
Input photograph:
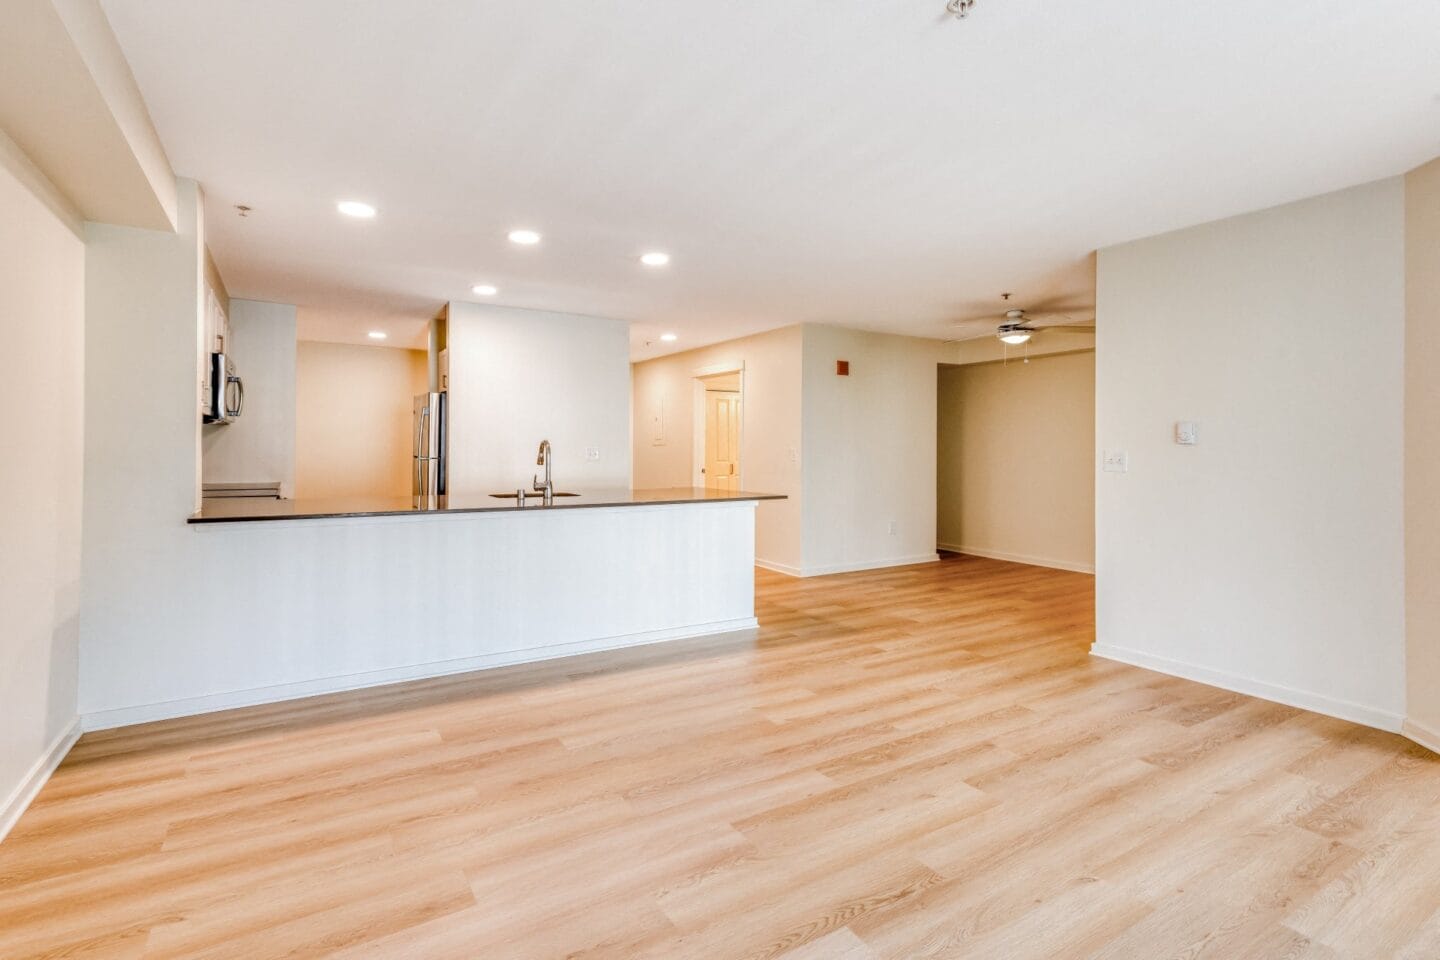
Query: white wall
[1422,454]
[42,274]
[1016,455]
[354,410]
[521,376]
[258,446]
[1270,557]
[143,339]
[664,427]
[868,449]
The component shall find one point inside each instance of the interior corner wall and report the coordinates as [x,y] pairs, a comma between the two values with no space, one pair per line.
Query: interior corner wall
[1269,558]
[259,445]
[521,376]
[42,322]
[663,399]
[868,449]
[1016,460]
[1422,454]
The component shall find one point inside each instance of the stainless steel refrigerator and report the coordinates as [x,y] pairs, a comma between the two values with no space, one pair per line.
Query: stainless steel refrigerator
[428,474]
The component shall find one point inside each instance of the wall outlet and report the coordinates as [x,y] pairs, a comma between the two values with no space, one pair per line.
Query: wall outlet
[892,528]
[593,453]
[1187,432]
[1115,461]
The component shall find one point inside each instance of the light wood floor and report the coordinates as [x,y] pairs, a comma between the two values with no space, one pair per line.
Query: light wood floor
[920,762]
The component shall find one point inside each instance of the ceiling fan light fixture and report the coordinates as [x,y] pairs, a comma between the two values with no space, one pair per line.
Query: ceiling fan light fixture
[1014,337]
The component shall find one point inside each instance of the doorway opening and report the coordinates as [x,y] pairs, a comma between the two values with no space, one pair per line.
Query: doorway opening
[1015,459]
[719,424]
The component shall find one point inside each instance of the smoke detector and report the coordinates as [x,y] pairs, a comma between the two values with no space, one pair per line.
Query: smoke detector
[960,9]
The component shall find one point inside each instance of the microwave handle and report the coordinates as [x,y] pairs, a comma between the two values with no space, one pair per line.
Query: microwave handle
[239,396]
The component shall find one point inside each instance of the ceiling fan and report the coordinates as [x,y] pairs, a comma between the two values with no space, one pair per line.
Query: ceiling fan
[1017,325]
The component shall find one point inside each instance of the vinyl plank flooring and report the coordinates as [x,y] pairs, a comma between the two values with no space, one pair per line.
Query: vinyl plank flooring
[920,762]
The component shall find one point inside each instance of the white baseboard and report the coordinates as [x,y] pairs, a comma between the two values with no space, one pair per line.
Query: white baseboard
[784,568]
[170,709]
[822,571]
[871,565]
[1290,696]
[1427,737]
[25,791]
[1018,558]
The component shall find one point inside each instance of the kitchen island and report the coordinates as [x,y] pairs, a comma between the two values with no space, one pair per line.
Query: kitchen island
[276,599]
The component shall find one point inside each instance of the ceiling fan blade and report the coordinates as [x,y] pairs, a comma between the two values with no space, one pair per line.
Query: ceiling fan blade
[1067,328]
[1068,306]
[1054,318]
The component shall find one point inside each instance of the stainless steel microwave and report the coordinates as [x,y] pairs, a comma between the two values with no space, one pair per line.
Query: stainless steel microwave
[225,397]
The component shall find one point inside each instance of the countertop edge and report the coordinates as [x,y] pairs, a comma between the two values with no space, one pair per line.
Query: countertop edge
[199,519]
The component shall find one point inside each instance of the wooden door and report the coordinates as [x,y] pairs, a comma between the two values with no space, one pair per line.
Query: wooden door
[722,441]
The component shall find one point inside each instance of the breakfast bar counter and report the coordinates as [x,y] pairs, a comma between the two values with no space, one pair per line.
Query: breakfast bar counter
[274,599]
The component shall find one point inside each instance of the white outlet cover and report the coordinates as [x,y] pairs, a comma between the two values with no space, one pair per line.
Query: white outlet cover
[592,453]
[1115,461]
[1187,432]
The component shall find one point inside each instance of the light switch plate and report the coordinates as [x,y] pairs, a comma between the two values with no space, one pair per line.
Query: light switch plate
[593,453]
[1187,432]
[1115,461]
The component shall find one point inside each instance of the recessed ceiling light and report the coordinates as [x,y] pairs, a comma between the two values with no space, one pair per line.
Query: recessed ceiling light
[484,290]
[655,259]
[354,208]
[378,334]
[526,238]
[669,337]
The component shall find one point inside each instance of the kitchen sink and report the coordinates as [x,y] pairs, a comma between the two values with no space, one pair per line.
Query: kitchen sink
[532,496]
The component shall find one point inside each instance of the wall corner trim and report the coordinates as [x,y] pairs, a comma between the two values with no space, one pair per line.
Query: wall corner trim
[1427,737]
[1290,696]
[29,787]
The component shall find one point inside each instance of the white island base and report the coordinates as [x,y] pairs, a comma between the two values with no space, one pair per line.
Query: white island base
[291,608]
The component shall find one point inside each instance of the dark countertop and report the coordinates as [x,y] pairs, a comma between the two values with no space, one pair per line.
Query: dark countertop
[246,510]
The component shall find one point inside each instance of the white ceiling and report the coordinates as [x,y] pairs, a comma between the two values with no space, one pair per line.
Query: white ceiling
[864,162]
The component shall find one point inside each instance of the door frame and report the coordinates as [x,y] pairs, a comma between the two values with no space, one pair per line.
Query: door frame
[697,409]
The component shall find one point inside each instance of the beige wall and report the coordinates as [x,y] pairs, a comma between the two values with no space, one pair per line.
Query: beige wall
[662,403]
[42,323]
[869,449]
[1270,557]
[353,412]
[1422,454]
[854,455]
[1016,455]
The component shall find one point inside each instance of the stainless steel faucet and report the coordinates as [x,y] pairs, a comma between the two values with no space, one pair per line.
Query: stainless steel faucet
[543,460]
